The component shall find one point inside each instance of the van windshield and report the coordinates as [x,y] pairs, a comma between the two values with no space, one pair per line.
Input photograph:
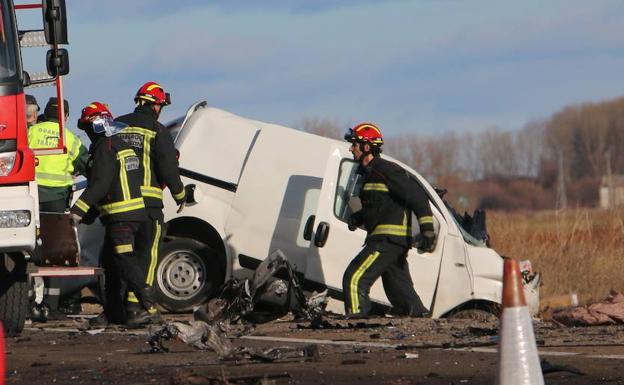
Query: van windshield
[8,45]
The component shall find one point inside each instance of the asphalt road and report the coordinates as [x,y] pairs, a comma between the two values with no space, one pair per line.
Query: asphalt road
[376,351]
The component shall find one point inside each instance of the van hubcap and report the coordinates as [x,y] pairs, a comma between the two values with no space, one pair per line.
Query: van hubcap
[181,274]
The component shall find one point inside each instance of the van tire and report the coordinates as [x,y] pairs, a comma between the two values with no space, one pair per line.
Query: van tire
[13,294]
[188,273]
[478,315]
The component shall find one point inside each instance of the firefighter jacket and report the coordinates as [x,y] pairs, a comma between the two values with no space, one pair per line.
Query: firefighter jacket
[389,196]
[154,145]
[56,171]
[114,181]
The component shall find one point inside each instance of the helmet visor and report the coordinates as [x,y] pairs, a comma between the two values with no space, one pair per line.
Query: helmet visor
[106,124]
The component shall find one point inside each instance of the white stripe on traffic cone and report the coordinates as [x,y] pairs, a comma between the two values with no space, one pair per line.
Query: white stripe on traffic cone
[518,360]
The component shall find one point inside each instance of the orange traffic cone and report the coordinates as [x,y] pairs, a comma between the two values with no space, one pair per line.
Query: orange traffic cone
[518,361]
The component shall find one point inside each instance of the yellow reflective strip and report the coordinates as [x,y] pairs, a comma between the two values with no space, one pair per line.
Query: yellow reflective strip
[399,230]
[375,187]
[120,249]
[82,205]
[139,130]
[153,256]
[54,177]
[355,279]
[125,153]
[123,178]
[132,297]
[123,206]
[147,169]
[155,85]
[179,195]
[152,192]
[427,219]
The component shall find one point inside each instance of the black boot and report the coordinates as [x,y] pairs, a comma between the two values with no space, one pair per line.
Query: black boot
[145,313]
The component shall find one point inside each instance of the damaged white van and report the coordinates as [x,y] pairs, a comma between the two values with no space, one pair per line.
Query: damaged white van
[260,187]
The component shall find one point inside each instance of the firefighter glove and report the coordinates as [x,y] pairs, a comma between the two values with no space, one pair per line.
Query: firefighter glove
[352,223]
[427,241]
[76,219]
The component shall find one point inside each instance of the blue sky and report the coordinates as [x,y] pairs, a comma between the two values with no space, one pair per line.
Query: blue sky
[423,67]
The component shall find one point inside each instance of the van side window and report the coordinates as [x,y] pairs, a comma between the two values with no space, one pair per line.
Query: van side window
[347,190]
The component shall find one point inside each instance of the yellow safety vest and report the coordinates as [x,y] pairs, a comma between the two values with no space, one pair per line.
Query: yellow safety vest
[54,170]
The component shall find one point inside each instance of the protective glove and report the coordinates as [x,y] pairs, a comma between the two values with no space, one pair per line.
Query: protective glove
[427,241]
[352,223]
[76,219]
[181,206]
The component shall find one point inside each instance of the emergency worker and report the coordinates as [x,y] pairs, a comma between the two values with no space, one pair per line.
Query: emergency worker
[32,109]
[115,174]
[388,196]
[54,173]
[154,145]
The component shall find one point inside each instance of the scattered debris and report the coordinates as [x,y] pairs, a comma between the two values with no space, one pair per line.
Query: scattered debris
[609,311]
[547,367]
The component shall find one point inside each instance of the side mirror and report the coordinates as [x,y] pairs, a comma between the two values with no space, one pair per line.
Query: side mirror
[55,22]
[26,79]
[57,62]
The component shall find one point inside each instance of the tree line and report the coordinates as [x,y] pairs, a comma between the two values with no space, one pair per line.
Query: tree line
[547,164]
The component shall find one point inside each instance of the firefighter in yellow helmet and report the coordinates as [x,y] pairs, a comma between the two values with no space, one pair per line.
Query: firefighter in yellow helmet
[388,196]
[54,173]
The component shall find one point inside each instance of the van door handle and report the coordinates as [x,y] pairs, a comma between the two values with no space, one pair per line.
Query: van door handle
[322,231]
[309,227]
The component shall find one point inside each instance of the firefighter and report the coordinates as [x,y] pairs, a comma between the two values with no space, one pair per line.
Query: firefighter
[54,173]
[388,196]
[32,109]
[154,145]
[115,174]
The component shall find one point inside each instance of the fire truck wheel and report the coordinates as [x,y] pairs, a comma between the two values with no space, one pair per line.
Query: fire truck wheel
[13,293]
[187,275]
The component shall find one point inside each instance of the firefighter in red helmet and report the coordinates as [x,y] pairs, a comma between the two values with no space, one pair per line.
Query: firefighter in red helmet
[152,142]
[388,195]
[115,176]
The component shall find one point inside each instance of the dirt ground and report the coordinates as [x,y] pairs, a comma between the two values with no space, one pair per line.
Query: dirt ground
[386,351]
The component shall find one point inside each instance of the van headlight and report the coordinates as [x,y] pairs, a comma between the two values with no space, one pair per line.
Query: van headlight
[14,218]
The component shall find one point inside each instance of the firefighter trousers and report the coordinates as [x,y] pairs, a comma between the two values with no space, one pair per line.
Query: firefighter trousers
[149,238]
[123,271]
[389,261]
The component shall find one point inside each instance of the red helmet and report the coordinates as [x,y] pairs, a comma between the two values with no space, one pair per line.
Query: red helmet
[365,132]
[152,92]
[93,110]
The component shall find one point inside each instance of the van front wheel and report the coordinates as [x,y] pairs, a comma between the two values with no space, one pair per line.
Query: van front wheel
[188,274]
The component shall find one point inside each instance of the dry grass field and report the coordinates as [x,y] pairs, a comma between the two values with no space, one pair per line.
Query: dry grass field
[577,250]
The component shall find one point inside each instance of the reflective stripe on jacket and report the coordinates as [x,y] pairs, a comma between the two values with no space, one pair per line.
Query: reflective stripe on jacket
[56,170]
[115,174]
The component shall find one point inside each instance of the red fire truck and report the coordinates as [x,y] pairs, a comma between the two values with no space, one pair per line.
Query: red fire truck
[19,213]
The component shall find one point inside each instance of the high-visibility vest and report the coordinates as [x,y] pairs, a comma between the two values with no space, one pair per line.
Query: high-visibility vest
[54,170]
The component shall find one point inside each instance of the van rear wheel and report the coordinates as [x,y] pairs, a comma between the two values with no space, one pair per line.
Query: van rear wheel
[188,274]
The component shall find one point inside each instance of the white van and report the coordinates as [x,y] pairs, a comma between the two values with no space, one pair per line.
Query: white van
[261,187]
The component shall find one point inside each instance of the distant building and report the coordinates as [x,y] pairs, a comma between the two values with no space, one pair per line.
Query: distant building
[616,198]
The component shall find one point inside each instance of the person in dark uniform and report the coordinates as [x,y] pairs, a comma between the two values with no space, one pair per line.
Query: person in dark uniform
[115,175]
[388,196]
[154,145]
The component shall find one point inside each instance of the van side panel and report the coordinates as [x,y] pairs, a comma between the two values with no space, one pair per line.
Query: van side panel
[277,192]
